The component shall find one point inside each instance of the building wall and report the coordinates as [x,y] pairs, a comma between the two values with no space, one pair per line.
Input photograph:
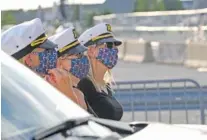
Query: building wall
[187,4]
[114,6]
[198,4]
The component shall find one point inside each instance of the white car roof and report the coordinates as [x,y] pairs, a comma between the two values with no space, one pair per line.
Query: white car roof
[63,104]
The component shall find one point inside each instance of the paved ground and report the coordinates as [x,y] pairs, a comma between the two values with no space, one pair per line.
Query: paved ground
[129,71]
[177,117]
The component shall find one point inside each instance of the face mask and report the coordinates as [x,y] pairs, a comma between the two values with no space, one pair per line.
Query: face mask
[48,60]
[108,56]
[80,67]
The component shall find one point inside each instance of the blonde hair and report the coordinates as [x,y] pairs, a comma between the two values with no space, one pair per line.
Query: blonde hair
[108,79]
[21,60]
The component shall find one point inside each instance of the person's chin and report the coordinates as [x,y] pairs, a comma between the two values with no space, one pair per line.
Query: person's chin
[103,67]
[58,64]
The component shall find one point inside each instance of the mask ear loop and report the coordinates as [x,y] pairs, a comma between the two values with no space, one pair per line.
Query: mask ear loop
[94,46]
[80,55]
[78,101]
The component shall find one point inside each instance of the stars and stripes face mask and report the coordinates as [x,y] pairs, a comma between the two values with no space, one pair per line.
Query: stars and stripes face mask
[48,60]
[80,67]
[108,56]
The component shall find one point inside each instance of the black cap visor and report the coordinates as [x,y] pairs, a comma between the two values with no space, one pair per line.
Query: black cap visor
[111,39]
[77,49]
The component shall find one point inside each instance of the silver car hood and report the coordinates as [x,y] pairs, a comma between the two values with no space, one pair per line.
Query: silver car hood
[162,131]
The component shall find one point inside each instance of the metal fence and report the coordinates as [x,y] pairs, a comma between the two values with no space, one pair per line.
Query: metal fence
[162,95]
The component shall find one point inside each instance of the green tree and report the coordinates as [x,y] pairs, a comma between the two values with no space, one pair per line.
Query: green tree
[56,23]
[7,18]
[160,6]
[149,5]
[141,5]
[106,12]
[173,5]
[76,13]
[89,19]
[179,5]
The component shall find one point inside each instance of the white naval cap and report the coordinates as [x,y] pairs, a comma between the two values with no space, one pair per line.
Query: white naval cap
[100,33]
[23,38]
[67,42]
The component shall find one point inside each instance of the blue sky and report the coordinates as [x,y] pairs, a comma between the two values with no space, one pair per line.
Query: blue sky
[33,4]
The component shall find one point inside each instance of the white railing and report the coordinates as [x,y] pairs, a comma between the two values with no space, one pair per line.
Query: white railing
[157,18]
[155,13]
[159,25]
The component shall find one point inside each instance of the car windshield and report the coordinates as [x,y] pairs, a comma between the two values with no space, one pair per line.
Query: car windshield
[28,103]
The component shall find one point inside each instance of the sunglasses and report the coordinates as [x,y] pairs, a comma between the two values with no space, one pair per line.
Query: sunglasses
[79,55]
[109,45]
